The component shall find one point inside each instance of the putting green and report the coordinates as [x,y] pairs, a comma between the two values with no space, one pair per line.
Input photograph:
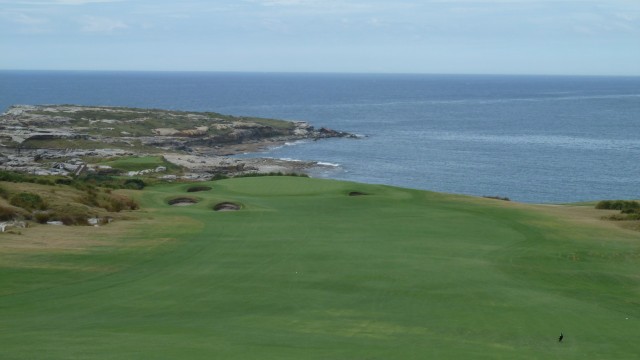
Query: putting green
[304,271]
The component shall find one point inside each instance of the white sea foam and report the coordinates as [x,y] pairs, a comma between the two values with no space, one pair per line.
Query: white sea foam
[324,163]
[297,142]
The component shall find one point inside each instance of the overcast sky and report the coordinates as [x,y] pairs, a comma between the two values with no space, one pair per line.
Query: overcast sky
[430,36]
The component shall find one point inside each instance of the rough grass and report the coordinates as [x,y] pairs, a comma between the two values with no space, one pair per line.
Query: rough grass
[66,144]
[305,271]
[65,203]
[141,122]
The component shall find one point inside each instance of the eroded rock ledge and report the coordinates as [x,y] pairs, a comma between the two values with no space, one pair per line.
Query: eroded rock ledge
[61,139]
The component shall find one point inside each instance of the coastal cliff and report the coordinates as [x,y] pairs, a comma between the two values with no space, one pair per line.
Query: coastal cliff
[64,139]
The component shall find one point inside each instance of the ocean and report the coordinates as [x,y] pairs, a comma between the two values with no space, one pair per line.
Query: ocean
[540,139]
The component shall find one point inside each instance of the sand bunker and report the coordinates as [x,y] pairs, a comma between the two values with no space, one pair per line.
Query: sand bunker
[198,188]
[226,206]
[182,201]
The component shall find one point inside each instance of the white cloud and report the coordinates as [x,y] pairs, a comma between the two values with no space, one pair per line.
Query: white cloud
[28,20]
[25,24]
[275,25]
[83,2]
[57,2]
[323,5]
[285,2]
[94,24]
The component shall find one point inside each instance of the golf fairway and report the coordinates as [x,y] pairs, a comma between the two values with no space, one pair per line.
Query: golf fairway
[305,271]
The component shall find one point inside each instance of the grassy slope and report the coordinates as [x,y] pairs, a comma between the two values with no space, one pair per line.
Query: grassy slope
[306,272]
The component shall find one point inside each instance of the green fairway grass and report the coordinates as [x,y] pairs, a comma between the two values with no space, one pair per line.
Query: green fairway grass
[136,163]
[305,271]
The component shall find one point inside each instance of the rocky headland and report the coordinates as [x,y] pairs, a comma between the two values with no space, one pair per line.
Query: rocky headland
[71,139]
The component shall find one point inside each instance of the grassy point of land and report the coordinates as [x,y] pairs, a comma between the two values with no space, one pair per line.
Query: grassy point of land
[322,269]
[137,163]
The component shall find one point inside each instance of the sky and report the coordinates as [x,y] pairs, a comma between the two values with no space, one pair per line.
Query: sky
[556,37]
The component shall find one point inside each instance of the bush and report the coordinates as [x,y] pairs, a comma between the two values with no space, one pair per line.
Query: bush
[64,181]
[629,209]
[44,181]
[70,214]
[16,177]
[4,193]
[91,181]
[42,217]
[625,206]
[7,213]
[73,219]
[82,182]
[28,201]
[118,203]
[220,177]
[13,176]
[135,184]
[108,201]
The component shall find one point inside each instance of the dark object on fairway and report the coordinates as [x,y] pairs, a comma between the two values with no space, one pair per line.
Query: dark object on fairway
[561,337]
[356,193]
[503,198]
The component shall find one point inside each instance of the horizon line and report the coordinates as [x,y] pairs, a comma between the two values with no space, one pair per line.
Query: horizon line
[316,72]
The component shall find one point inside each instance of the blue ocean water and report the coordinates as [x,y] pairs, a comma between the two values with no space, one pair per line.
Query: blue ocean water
[530,138]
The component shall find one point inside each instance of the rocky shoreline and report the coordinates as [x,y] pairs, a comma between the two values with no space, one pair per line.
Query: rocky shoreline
[71,139]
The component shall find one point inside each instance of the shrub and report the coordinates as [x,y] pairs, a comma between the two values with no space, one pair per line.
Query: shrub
[108,201]
[16,177]
[90,198]
[4,193]
[630,211]
[73,219]
[93,180]
[44,181]
[64,181]
[634,216]
[12,176]
[70,215]
[616,217]
[618,205]
[42,217]
[135,184]
[7,213]
[220,177]
[118,203]
[28,201]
